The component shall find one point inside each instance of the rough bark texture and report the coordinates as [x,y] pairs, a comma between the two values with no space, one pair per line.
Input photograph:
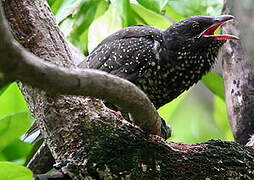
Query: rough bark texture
[89,141]
[238,72]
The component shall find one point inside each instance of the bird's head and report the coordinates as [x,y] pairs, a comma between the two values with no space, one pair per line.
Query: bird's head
[198,31]
[194,39]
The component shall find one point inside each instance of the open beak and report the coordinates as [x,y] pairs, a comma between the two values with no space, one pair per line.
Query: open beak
[218,21]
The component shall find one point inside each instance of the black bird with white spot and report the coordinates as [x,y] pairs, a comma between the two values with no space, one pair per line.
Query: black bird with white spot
[163,63]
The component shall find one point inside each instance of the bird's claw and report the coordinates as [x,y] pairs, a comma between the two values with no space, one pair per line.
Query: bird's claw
[165,129]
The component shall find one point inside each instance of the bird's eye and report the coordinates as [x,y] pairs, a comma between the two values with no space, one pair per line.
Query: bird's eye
[196,27]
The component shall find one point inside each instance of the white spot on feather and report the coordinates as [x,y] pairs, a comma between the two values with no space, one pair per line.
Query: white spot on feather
[156,49]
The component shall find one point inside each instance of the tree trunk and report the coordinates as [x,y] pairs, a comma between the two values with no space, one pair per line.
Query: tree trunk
[90,141]
[238,71]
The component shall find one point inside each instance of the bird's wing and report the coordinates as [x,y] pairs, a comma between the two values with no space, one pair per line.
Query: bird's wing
[126,53]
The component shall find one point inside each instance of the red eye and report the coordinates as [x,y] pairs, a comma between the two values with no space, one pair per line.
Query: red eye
[196,27]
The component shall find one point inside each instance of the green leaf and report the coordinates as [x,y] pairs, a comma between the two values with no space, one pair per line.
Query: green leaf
[213,8]
[12,101]
[221,118]
[214,82]
[51,2]
[12,127]
[168,109]
[67,8]
[2,90]
[103,27]
[83,39]
[197,7]
[151,18]
[12,171]
[88,12]
[55,6]
[172,14]
[154,5]
[2,157]
[192,122]
[124,10]
[18,150]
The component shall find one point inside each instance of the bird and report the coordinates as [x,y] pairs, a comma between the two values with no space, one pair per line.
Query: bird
[162,63]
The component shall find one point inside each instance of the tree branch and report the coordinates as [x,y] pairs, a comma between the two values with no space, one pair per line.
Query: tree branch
[238,73]
[18,64]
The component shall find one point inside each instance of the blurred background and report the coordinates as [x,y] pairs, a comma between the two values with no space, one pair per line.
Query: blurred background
[197,115]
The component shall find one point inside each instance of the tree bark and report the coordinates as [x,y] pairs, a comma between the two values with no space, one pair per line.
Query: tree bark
[90,141]
[238,70]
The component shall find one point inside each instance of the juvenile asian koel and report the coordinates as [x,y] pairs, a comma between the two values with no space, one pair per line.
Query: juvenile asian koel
[162,63]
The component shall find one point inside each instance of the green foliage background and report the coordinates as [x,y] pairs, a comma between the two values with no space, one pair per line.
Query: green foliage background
[85,23]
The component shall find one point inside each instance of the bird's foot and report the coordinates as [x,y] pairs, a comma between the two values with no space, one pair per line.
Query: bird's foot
[166,130]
